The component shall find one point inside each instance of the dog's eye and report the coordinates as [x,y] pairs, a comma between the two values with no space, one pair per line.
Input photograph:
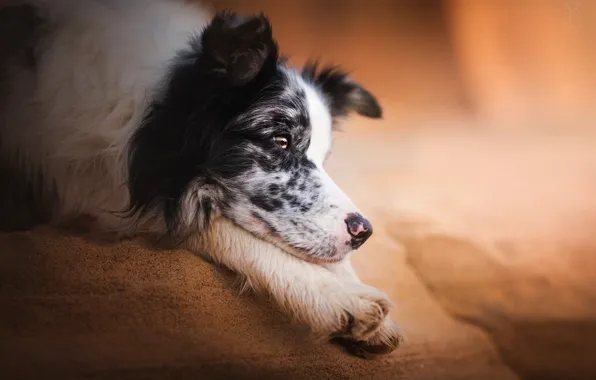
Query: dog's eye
[282,141]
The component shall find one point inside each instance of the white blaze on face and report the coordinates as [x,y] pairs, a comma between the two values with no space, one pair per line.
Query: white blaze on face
[333,220]
[321,126]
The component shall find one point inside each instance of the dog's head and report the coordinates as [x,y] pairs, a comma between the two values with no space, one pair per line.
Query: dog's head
[238,133]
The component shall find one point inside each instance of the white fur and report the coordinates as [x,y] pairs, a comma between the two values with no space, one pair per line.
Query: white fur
[72,119]
[318,150]
[310,293]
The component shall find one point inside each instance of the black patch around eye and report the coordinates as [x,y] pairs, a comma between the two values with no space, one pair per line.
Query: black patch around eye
[302,119]
[278,119]
[287,103]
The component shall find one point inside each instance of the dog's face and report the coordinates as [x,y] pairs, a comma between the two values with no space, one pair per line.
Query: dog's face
[240,134]
[279,188]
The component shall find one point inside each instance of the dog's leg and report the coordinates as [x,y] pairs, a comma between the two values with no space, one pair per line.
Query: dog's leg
[307,292]
[389,335]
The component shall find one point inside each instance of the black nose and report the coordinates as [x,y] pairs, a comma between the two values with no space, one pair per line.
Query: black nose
[359,228]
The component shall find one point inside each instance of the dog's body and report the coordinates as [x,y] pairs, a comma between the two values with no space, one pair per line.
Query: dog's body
[155,115]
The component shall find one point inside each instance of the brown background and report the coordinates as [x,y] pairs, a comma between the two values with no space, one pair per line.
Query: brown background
[513,62]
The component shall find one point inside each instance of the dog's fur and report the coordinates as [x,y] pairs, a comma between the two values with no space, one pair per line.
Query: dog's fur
[154,115]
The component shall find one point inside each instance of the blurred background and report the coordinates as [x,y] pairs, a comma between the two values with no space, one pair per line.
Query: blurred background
[481,177]
[508,62]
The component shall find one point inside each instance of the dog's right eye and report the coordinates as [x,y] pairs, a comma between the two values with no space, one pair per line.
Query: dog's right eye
[282,141]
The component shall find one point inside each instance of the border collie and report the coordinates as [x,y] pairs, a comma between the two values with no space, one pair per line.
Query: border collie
[158,116]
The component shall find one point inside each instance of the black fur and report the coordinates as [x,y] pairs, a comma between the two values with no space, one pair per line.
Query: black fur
[343,94]
[236,48]
[183,137]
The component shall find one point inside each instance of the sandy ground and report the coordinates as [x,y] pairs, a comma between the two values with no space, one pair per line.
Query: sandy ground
[73,309]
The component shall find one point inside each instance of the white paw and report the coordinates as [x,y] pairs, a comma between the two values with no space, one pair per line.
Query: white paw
[384,341]
[355,311]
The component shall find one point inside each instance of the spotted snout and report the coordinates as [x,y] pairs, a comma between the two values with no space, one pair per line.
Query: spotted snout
[359,229]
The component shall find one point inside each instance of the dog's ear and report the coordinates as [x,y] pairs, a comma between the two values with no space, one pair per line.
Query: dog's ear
[236,48]
[343,94]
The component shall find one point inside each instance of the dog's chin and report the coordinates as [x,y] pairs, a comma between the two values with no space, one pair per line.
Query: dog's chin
[319,260]
[334,255]
[303,254]
[306,255]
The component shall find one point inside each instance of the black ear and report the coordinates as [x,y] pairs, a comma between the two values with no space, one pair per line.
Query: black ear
[236,48]
[343,94]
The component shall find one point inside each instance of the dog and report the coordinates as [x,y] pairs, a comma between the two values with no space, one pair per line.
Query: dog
[161,116]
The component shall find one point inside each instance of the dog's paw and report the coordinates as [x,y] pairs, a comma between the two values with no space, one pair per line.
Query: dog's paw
[387,338]
[363,311]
